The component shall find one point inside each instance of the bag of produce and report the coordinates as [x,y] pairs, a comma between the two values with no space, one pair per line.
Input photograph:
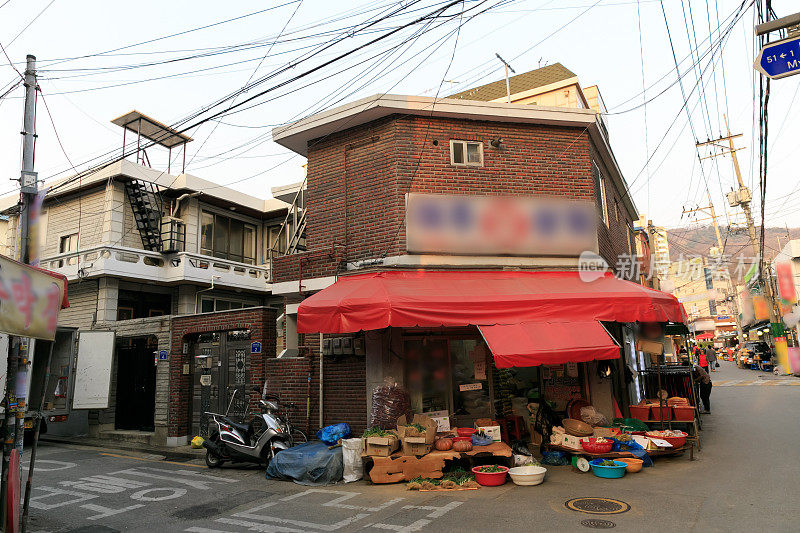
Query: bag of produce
[390,401]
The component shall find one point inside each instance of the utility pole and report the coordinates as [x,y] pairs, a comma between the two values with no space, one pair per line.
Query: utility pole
[508,84]
[15,405]
[720,246]
[742,198]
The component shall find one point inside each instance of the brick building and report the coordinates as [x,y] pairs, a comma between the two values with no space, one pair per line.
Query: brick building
[383,171]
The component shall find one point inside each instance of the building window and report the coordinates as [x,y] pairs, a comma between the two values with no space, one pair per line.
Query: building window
[600,193]
[276,239]
[227,238]
[69,243]
[466,153]
[209,305]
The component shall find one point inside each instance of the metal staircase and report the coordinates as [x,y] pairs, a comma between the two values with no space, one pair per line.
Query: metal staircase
[147,206]
[293,227]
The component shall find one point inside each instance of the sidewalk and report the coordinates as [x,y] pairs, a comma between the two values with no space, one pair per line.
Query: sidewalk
[169,452]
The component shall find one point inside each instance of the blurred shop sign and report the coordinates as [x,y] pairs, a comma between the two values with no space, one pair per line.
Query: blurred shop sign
[29,300]
[499,225]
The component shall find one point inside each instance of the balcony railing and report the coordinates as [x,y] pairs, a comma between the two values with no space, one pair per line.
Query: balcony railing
[143,265]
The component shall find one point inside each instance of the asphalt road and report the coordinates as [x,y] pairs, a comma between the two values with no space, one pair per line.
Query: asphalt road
[744,479]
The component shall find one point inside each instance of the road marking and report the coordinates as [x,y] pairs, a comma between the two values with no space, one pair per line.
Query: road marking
[54,465]
[175,493]
[78,497]
[256,526]
[195,529]
[195,480]
[255,519]
[159,461]
[105,512]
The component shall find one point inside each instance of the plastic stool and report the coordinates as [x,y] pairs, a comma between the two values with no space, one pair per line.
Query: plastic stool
[753,367]
[515,426]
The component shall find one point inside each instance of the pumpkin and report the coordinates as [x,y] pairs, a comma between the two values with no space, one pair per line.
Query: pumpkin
[443,444]
[462,446]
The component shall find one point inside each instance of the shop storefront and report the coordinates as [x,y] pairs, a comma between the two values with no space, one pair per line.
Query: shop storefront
[480,345]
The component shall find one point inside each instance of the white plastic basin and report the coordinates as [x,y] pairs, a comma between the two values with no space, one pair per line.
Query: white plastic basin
[527,475]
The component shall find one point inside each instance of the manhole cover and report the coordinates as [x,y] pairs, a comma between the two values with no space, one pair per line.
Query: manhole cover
[597,505]
[596,523]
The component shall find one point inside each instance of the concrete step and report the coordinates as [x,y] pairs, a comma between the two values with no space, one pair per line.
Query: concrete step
[129,436]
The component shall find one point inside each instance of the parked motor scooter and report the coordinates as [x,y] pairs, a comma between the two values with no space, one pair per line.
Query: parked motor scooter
[255,442]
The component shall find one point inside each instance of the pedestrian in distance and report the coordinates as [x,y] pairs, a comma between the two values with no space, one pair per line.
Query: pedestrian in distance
[702,378]
[702,359]
[711,358]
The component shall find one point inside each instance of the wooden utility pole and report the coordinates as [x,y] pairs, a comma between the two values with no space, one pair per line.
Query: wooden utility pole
[709,210]
[741,198]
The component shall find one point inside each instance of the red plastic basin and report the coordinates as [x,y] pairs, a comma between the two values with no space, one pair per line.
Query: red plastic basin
[490,479]
[677,442]
[591,445]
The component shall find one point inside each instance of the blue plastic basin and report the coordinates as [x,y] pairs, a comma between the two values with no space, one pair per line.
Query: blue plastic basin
[611,472]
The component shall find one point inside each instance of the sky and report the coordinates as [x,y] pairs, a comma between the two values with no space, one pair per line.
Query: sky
[93,69]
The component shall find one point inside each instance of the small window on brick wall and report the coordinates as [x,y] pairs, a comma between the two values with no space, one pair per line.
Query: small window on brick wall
[466,153]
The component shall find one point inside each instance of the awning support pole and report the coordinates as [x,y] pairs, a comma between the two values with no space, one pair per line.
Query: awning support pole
[321,381]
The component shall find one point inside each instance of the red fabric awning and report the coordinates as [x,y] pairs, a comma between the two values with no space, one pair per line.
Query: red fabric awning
[705,336]
[548,343]
[463,298]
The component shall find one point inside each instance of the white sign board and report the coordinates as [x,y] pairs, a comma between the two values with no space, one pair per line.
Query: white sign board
[93,371]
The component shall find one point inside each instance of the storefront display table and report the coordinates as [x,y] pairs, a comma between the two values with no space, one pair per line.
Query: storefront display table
[613,455]
[399,467]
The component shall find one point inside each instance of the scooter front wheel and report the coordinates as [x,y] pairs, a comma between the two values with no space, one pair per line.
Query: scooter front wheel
[212,461]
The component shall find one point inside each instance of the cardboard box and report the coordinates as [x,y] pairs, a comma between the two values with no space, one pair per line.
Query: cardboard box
[381,446]
[490,431]
[416,442]
[396,469]
[442,419]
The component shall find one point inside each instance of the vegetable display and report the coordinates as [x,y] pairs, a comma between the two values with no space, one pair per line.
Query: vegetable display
[377,432]
[491,469]
[443,444]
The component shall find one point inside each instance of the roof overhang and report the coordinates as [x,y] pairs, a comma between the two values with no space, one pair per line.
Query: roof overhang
[184,183]
[297,136]
[151,129]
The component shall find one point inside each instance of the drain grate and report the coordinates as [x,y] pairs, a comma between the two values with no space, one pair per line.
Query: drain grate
[597,505]
[596,523]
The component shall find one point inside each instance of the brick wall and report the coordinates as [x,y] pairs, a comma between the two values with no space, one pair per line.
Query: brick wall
[344,387]
[357,180]
[261,323]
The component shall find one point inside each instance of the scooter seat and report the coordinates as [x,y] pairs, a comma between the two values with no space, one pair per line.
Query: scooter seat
[243,428]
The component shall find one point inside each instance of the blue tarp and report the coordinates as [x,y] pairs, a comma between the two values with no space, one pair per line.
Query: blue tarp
[310,464]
